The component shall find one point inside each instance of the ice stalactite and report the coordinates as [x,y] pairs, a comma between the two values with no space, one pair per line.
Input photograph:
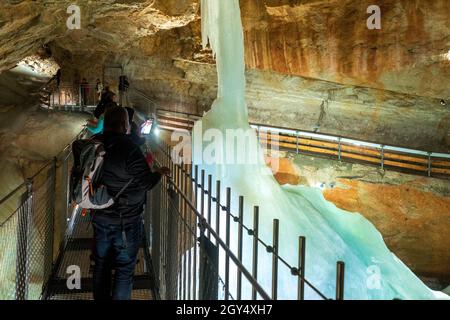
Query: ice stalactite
[372,271]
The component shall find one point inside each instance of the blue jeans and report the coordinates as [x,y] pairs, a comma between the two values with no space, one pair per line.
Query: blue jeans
[113,252]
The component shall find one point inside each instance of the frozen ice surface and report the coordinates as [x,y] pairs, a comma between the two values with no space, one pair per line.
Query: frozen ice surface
[372,271]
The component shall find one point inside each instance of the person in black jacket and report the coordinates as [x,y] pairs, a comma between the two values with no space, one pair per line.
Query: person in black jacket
[107,99]
[118,230]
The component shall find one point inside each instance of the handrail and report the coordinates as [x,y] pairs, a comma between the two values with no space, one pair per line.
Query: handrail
[9,195]
[143,95]
[368,143]
[345,149]
[244,270]
[46,165]
[294,270]
[47,83]
[180,112]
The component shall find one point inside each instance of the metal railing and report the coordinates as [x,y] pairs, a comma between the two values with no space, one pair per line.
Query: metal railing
[186,245]
[190,251]
[68,97]
[431,164]
[33,234]
[151,104]
[84,97]
[402,159]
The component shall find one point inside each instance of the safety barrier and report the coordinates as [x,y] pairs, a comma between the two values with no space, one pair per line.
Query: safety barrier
[32,235]
[85,98]
[188,248]
[71,98]
[401,159]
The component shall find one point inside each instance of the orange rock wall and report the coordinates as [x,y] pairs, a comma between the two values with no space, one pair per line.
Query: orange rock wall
[330,40]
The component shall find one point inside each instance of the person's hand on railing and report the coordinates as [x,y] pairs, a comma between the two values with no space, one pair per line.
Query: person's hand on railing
[163,171]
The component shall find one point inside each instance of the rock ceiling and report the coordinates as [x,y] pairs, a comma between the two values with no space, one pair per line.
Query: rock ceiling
[324,39]
[327,40]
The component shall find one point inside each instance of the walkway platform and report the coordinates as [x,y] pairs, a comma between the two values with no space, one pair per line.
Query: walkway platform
[77,252]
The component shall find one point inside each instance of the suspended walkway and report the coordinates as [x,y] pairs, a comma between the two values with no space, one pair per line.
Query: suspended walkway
[194,241]
[77,253]
[297,141]
[186,253]
[44,238]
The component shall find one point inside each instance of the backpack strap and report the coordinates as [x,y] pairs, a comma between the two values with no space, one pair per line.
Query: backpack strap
[123,189]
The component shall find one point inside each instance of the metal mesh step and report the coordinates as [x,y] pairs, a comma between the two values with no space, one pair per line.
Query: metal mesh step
[77,252]
[136,295]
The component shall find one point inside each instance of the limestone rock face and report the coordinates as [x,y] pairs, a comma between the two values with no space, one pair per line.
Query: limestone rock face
[125,27]
[29,136]
[324,39]
[276,99]
[329,40]
[383,85]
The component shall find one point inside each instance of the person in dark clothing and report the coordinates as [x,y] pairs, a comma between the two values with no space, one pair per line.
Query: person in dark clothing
[95,125]
[58,78]
[84,92]
[108,98]
[99,89]
[118,230]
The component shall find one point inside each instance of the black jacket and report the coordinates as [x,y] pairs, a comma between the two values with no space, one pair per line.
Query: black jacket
[103,105]
[124,161]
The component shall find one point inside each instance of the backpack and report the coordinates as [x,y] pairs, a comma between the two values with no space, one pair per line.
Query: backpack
[85,189]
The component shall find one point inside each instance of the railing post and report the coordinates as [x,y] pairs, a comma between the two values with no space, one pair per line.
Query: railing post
[65,199]
[156,235]
[240,243]
[255,248]
[80,98]
[25,213]
[188,220]
[195,235]
[227,242]
[173,269]
[276,227]
[52,211]
[202,195]
[339,149]
[209,202]
[297,142]
[429,164]
[218,209]
[301,267]
[382,157]
[340,274]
